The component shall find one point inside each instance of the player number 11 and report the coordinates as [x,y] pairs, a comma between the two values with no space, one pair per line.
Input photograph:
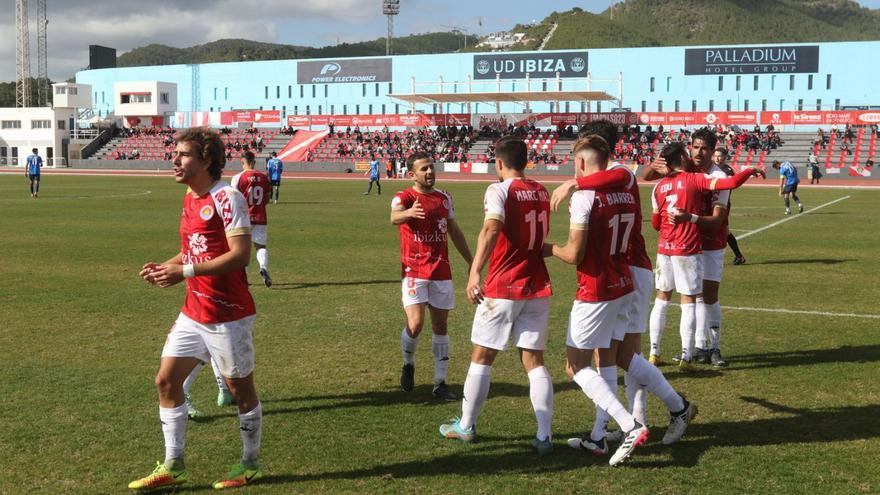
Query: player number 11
[531,218]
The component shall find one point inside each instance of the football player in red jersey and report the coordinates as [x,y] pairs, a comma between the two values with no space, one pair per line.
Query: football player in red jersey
[425,217]
[678,201]
[218,314]
[514,301]
[255,187]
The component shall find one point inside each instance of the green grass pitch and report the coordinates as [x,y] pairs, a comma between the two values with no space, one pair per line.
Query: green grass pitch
[80,335]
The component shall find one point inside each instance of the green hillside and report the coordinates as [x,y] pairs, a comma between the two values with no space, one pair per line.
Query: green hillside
[235,50]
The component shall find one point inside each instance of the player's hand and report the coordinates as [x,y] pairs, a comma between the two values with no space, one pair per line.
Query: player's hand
[679,217]
[474,291]
[757,172]
[147,274]
[168,275]
[659,166]
[416,211]
[781,194]
[562,193]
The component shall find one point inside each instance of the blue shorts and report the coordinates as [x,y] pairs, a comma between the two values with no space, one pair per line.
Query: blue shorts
[790,189]
[274,182]
[34,176]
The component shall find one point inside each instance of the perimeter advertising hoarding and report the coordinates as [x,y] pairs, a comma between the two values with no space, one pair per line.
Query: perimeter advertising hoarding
[751,60]
[698,118]
[539,65]
[343,71]
[855,117]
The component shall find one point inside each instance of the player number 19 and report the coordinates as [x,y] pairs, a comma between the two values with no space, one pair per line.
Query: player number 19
[255,195]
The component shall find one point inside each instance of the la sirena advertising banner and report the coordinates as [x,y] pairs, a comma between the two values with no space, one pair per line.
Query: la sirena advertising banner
[821,117]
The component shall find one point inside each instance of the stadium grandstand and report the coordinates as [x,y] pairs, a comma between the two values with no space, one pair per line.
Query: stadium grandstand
[343,112]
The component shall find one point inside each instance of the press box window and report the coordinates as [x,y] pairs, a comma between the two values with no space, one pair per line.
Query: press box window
[41,124]
[10,124]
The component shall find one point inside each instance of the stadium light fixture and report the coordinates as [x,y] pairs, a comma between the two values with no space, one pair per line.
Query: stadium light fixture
[390,8]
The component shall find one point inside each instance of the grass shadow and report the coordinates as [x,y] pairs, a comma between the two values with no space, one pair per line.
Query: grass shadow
[807,357]
[809,261]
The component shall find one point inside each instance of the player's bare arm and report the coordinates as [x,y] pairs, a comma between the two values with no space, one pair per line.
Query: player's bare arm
[485,244]
[400,215]
[236,258]
[573,250]
[708,224]
[459,240]
[657,170]
[562,193]
[147,271]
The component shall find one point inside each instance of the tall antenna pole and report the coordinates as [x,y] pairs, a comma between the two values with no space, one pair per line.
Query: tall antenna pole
[42,55]
[390,8]
[22,56]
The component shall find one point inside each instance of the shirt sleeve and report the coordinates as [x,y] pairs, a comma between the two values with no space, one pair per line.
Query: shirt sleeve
[654,205]
[606,179]
[451,215]
[398,202]
[234,212]
[579,209]
[234,181]
[493,201]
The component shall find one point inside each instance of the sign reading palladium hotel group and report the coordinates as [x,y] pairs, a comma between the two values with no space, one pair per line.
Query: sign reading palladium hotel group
[751,60]
[539,65]
[343,71]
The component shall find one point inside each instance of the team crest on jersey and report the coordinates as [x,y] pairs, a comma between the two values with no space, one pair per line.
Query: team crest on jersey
[441,225]
[206,212]
[198,244]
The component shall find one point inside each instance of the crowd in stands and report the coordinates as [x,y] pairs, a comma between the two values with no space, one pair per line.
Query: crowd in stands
[446,144]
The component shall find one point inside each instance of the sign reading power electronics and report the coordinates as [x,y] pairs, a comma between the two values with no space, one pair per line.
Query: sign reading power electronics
[343,71]
[538,65]
[751,60]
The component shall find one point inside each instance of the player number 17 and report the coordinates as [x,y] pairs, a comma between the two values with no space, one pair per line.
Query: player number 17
[628,219]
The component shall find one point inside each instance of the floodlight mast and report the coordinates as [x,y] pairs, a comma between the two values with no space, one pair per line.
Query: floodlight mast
[390,8]
[42,55]
[22,56]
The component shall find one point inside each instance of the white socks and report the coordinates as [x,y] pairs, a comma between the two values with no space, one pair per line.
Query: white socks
[263,258]
[656,324]
[408,344]
[637,396]
[475,391]
[600,425]
[221,382]
[597,390]
[174,429]
[713,321]
[251,426]
[686,330]
[188,383]
[541,393]
[440,348]
[700,337]
[644,373]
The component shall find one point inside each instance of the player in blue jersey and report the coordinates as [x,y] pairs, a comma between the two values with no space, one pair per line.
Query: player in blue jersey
[274,168]
[788,183]
[375,163]
[32,171]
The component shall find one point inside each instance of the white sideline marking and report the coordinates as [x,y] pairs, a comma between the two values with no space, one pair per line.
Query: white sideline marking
[799,312]
[786,219]
[103,196]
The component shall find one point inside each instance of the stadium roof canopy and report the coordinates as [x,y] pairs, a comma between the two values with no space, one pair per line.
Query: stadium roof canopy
[507,96]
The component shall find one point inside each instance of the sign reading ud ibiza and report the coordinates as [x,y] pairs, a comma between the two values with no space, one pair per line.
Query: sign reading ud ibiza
[343,71]
[751,60]
[537,65]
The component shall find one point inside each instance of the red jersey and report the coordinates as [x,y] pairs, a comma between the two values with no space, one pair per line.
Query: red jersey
[717,240]
[205,224]
[681,191]
[610,217]
[255,187]
[516,266]
[423,242]
[619,175]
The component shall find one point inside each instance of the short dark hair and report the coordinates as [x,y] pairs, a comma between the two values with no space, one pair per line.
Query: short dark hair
[249,157]
[604,128]
[413,158]
[705,135]
[673,153]
[34,150]
[593,142]
[274,154]
[723,151]
[775,164]
[208,145]
[513,152]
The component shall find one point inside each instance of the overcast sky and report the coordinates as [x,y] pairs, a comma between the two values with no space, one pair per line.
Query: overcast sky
[126,24]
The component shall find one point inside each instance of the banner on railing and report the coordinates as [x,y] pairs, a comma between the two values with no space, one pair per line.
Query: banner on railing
[697,118]
[821,117]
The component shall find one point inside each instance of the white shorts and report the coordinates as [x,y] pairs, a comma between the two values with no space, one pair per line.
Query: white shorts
[592,325]
[230,344]
[640,299]
[713,265]
[437,293]
[683,274]
[497,320]
[259,235]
